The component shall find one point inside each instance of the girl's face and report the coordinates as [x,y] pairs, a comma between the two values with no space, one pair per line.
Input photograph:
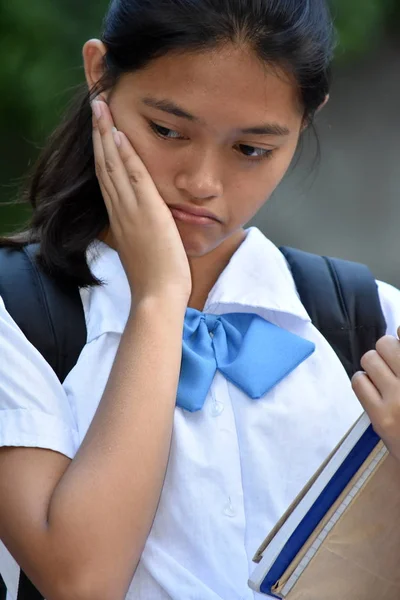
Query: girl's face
[216,130]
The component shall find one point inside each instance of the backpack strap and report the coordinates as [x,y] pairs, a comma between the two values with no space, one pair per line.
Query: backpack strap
[26,589]
[51,317]
[342,300]
[49,314]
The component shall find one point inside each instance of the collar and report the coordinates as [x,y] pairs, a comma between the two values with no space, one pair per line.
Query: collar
[107,306]
[257,279]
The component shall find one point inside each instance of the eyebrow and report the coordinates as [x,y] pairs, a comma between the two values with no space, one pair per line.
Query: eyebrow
[169,107]
[173,109]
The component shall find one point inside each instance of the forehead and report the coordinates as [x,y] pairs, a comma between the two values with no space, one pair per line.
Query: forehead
[225,86]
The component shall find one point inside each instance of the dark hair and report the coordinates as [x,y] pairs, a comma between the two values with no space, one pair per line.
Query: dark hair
[68,209]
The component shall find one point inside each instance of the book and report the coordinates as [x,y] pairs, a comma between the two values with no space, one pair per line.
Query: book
[340,539]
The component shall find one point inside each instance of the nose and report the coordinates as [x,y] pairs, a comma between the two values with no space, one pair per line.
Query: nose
[199,177]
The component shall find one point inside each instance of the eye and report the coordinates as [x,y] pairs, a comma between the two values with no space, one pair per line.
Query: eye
[165,132]
[254,153]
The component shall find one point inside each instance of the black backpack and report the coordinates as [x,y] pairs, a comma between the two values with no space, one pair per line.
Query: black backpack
[341,298]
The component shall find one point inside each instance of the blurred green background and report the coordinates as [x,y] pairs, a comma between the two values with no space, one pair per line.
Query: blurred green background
[40,45]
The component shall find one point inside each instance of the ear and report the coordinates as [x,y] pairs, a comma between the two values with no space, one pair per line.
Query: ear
[325,102]
[306,122]
[94,52]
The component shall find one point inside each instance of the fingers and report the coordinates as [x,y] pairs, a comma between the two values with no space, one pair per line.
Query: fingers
[367,394]
[138,175]
[378,370]
[122,164]
[109,164]
[388,348]
[107,189]
[378,390]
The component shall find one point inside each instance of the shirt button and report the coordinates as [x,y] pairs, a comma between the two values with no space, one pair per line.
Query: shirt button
[217,408]
[229,510]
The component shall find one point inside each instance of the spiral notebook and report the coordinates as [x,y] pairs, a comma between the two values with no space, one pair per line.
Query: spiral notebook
[340,539]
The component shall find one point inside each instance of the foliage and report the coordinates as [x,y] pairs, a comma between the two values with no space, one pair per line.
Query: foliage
[361,24]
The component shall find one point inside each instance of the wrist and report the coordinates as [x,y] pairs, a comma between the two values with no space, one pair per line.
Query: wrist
[167,304]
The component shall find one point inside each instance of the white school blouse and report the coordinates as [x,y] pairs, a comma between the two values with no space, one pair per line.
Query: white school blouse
[235,466]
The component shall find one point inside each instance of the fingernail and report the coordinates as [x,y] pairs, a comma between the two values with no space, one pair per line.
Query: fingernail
[117,137]
[96,109]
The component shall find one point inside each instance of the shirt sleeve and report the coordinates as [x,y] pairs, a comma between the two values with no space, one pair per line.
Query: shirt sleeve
[390,302]
[34,408]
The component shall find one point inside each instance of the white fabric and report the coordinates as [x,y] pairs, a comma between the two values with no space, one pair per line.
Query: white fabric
[236,465]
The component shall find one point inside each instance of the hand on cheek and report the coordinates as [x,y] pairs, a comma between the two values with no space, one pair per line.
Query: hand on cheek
[378,389]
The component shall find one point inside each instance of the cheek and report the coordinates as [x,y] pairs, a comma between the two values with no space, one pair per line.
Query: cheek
[136,131]
[161,169]
[276,168]
[154,159]
[250,192]
[259,183]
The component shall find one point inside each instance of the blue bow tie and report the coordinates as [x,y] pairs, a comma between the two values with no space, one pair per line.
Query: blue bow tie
[252,353]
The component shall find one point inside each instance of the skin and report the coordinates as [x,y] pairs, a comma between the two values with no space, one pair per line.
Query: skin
[378,389]
[67,541]
[204,167]
[70,544]
[205,163]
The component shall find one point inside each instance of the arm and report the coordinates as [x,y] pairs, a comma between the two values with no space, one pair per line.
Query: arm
[78,528]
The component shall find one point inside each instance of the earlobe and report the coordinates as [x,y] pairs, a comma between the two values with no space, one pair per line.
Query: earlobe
[93,53]
[307,122]
[325,102]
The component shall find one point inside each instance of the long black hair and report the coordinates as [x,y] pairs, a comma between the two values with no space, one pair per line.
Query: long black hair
[68,209]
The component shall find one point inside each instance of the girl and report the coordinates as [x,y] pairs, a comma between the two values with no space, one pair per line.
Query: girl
[148,474]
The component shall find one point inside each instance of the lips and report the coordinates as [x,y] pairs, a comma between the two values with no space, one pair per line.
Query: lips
[194,215]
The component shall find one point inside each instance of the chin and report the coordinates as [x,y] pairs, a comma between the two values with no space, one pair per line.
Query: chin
[197,245]
[194,250]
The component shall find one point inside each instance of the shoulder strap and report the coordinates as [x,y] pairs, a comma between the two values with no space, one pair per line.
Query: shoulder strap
[51,317]
[49,314]
[26,589]
[342,300]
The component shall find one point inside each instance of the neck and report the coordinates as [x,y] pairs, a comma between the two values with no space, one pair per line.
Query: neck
[205,269]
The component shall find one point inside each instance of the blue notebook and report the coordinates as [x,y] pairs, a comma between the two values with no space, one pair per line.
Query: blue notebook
[323,534]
